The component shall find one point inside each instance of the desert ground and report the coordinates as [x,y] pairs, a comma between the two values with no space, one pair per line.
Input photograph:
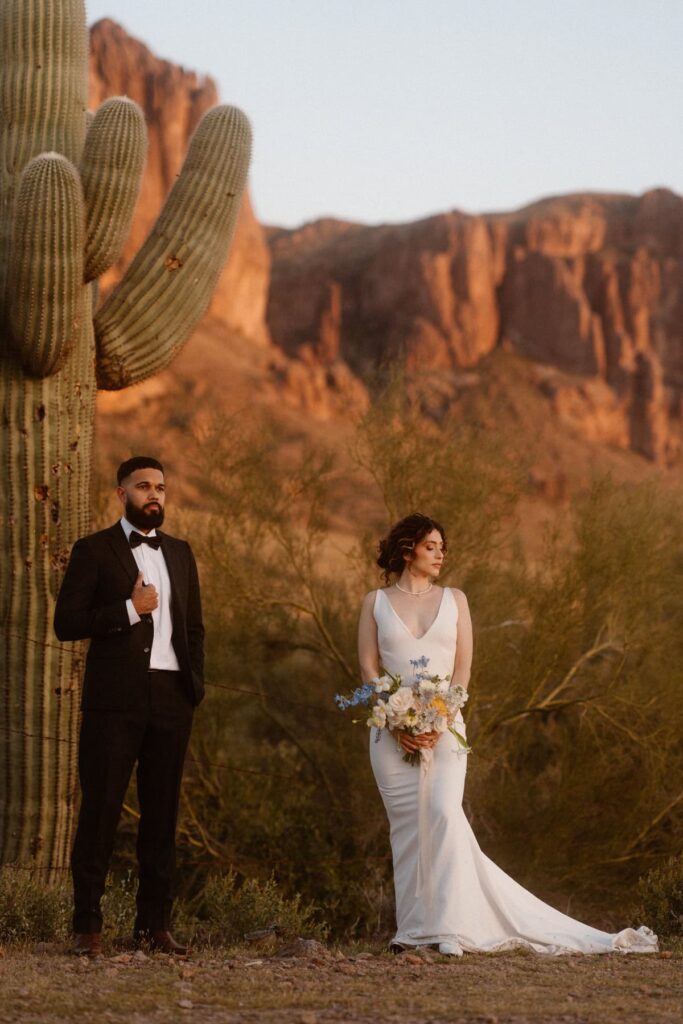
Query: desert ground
[306,983]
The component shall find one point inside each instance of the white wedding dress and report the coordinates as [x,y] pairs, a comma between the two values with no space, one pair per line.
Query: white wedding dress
[447,890]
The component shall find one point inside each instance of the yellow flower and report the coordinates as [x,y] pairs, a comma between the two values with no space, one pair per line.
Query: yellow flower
[440,704]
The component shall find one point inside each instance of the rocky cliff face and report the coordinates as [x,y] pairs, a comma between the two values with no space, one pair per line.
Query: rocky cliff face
[590,286]
[173,101]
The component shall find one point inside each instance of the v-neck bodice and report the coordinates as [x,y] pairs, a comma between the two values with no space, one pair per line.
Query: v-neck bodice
[398,646]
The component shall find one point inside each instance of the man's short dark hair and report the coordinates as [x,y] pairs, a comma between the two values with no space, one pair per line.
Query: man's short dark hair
[137,462]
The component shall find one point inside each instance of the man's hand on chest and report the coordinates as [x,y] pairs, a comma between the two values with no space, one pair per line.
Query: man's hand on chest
[144,597]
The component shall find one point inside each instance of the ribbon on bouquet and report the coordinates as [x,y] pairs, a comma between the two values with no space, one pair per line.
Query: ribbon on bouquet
[423,888]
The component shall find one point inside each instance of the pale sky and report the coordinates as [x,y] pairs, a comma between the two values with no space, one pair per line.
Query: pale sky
[390,110]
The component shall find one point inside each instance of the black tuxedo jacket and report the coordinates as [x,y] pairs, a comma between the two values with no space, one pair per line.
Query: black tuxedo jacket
[92,606]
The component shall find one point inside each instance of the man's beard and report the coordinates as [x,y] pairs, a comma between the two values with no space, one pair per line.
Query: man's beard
[144,518]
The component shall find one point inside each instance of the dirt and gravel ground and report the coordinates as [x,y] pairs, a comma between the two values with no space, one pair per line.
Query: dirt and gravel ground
[304,983]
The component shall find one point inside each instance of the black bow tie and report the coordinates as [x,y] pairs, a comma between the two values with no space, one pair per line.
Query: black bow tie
[136,539]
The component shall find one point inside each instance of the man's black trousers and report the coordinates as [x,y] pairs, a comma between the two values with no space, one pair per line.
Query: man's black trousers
[155,735]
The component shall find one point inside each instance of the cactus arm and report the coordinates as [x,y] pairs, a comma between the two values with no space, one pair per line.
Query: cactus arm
[111,172]
[169,284]
[45,293]
[43,96]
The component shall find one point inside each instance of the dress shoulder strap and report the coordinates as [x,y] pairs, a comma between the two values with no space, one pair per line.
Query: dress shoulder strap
[375,604]
[454,602]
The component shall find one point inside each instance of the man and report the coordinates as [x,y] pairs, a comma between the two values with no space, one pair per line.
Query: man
[134,593]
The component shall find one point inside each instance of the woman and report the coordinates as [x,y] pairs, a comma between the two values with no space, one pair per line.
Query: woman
[448,893]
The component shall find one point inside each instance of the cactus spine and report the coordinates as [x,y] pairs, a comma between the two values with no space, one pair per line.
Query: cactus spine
[66,202]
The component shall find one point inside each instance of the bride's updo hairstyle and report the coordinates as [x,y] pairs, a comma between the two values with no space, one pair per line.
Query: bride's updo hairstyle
[399,543]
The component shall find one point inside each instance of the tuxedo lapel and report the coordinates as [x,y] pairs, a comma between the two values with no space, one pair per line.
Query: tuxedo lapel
[170,551]
[121,547]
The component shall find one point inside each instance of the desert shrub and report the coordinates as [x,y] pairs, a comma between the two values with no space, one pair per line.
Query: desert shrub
[463,477]
[575,708]
[660,898]
[229,909]
[574,714]
[118,904]
[33,911]
[30,910]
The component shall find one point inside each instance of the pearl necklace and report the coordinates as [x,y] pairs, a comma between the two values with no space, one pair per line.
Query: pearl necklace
[413,593]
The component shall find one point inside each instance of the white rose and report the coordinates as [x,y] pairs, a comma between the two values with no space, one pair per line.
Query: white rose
[401,701]
[383,684]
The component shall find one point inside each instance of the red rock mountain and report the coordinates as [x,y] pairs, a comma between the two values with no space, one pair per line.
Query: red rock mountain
[585,292]
[589,285]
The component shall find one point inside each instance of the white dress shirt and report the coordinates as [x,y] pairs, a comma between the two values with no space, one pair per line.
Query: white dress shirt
[152,565]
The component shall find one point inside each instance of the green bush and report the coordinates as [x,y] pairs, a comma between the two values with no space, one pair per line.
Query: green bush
[229,910]
[118,905]
[660,899]
[31,911]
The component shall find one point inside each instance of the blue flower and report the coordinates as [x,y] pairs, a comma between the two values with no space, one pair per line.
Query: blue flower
[419,666]
[362,695]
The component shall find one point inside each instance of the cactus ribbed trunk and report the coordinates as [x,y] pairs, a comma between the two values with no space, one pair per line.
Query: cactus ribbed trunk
[65,210]
[46,431]
[46,458]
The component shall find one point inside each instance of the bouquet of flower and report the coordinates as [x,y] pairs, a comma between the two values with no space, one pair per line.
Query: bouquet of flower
[428,704]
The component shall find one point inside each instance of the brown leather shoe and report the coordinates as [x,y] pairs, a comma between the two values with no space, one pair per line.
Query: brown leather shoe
[160,941]
[87,945]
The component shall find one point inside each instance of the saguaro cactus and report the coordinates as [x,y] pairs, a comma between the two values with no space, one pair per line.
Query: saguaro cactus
[68,187]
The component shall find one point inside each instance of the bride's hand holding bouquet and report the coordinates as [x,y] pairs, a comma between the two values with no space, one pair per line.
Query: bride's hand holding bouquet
[417,714]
